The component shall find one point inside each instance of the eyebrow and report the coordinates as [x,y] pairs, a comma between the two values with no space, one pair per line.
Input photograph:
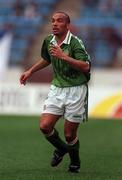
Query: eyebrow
[60,18]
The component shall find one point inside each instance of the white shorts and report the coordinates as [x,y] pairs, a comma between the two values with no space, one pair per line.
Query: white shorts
[70,102]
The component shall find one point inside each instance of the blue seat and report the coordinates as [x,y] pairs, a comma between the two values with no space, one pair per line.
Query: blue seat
[19,44]
[103,54]
[7,1]
[48,2]
[3,20]
[25,32]
[44,9]
[5,11]
[23,21]
[16,57]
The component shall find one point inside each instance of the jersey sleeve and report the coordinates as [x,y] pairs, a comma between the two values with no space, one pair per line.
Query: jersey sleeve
[79,52]
[44,52]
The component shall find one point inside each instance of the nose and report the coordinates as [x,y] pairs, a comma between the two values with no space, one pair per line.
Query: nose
[54,23]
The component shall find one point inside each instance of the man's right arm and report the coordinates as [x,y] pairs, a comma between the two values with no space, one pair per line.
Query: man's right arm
[39,65]
[36,67]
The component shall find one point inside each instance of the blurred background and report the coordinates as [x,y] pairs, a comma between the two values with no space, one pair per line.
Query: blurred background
[23,26]
[24,154]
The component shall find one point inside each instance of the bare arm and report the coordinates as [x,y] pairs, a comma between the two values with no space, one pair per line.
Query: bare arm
[80,65]
[39,65]
[36,67]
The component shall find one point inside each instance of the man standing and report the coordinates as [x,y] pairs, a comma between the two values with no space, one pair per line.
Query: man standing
[68,95]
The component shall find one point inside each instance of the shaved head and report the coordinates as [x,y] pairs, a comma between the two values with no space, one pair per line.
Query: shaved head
[60,23]
[66,16]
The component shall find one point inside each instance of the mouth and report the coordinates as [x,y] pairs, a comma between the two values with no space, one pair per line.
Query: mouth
[55,30]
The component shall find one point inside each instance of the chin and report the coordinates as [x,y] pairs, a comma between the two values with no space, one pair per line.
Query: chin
[56,33]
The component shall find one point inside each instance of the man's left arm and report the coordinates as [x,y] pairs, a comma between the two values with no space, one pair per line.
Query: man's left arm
[79,64]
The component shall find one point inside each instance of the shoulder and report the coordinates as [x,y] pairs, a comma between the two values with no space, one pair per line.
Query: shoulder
[48,38]
[77,42]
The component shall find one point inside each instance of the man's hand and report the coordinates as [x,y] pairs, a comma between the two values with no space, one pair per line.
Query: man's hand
[81,65]
[24,77]
[57,52]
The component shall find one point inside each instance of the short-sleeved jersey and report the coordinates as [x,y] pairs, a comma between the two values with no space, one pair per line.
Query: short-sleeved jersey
[64,74]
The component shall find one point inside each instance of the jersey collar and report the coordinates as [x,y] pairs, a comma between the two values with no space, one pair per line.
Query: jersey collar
[65,41]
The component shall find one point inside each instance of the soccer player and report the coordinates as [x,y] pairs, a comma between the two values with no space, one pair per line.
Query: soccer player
[68,95]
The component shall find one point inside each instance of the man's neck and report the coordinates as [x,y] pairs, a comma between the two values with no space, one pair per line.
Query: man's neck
[60,38]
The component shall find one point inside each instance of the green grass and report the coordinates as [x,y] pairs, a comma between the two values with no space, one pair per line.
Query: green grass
[25,154]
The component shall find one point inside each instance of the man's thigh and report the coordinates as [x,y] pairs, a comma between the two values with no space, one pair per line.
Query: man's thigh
[48,121]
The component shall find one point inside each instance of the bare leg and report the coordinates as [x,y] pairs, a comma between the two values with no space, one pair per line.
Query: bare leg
[47,122]
[70,131]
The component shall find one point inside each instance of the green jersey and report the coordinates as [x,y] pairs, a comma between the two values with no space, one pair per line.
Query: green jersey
[64,74]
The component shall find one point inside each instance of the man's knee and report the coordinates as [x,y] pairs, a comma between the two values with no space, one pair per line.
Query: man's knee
[69,137]
[47,122]
[45,128]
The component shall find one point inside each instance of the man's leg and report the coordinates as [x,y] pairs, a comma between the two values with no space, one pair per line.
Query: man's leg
[70,131]
[47,124]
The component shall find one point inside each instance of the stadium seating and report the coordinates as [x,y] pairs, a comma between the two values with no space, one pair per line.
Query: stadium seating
[94,20]
[23,27]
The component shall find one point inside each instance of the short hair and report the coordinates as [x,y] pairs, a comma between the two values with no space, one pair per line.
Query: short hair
[65,14]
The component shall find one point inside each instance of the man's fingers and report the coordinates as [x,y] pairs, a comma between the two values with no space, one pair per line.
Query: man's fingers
[55,51]
[23,79]
[52,51]
[54,48]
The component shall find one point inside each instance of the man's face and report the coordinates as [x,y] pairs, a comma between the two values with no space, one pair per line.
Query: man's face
[59,24]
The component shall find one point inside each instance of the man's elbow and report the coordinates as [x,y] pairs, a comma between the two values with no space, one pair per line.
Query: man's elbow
[86,68]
